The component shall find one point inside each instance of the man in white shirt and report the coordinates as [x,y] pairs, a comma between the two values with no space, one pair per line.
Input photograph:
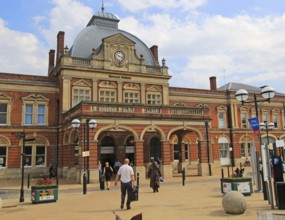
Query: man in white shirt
[127,177]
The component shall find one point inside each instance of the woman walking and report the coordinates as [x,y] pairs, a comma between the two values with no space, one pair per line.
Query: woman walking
[108,172]
[154,175]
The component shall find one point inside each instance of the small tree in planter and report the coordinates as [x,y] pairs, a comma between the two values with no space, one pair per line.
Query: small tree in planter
[45,190]
[237,183]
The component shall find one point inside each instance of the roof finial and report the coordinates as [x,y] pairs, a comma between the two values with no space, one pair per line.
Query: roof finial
[102,8]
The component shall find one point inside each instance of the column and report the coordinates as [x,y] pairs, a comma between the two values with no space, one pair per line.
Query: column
[139,160]
[66,94]
[166,154]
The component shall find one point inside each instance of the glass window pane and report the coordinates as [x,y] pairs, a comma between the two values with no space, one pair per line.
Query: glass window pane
[28,156]
[29,108]
[40,155]
[3,156]
[3,113]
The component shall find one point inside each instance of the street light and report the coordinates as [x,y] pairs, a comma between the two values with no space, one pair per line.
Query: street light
[242,95]
[268,126]
[89,124]
[22,135]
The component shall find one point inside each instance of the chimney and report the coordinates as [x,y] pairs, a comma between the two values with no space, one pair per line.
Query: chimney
[60,45]
[213,83]
[154,50]
[51,60]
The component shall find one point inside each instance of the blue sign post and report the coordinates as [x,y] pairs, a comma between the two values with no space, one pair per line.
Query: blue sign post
[254,123]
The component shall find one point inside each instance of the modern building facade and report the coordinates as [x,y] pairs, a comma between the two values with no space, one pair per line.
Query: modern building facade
[111,76]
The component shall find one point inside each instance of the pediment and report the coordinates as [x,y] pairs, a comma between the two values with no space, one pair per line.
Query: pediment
[107,84]
[222,108]
[119,39]
[5,97]
[154,89]
[132,86]
[205,106]
[82,83]
[33,97]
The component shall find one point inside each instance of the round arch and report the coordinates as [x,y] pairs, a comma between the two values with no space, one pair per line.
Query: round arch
[246,138]
[185,129]
[39,139]
[152,127]
[106,128]
[4,141]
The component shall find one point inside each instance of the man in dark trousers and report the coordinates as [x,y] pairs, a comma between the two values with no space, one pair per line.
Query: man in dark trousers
[126,176]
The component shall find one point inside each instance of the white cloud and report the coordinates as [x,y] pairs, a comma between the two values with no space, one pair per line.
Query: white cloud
[21,52]
[184,5]
[196,46]
[69,16]
[242,45]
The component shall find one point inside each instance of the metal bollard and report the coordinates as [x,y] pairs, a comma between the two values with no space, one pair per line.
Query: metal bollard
[84,183]
[138,180]
[28,181]
[228,171]
[183,177]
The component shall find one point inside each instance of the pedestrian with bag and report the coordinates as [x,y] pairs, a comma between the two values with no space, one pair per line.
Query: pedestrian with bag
[154,175]
[127,178]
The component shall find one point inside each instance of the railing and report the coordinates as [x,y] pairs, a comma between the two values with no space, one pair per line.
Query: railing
[80,61]
[113,108]
[152,69]
[100,109]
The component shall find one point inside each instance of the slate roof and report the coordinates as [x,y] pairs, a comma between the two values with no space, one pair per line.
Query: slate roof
[236,86]
[100,26]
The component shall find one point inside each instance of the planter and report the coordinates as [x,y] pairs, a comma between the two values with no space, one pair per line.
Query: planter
[45,193]
[243,185]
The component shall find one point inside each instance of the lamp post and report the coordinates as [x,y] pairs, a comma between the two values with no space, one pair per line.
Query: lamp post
[242,95]
[89,124]
[268,126]
[208,147]
[23,137]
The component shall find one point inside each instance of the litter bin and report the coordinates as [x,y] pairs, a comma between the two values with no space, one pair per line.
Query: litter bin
[280,193]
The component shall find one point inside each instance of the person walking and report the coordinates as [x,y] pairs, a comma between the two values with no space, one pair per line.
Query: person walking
[154,175]
[117,166]
[126,176]
[101,176]
[108,172]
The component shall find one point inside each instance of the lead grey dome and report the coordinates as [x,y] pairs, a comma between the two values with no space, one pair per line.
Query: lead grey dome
[100,26]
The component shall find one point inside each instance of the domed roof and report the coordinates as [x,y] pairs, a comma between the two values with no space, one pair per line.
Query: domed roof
[100,26]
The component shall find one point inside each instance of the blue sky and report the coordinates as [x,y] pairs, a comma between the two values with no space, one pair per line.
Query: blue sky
[236,41]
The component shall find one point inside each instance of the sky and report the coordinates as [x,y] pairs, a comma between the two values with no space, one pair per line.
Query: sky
[235,40]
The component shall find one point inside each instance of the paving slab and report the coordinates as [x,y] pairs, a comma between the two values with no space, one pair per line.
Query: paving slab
[199,199]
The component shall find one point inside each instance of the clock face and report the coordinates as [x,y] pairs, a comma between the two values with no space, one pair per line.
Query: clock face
[119,56]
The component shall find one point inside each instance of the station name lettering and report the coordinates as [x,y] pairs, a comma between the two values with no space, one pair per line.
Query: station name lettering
[119,77]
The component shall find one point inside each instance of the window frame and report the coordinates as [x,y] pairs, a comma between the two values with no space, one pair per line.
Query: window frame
[33,155]
[35,101]
[4,114]
[136,100]
[80,97]
[154,98]
[107,98]
[244,123]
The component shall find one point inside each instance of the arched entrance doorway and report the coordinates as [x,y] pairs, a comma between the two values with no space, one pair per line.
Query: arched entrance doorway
[155,148]
[107,145]
[130,149]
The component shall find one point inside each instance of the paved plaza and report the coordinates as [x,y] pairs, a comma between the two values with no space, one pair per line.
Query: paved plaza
[199,199]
